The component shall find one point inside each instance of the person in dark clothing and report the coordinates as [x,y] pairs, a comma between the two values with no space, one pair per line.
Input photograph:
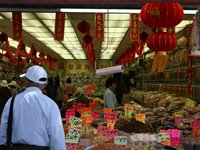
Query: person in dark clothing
[5,95]
[51,89]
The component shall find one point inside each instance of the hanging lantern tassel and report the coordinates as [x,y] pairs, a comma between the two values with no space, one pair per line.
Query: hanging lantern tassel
[159,62]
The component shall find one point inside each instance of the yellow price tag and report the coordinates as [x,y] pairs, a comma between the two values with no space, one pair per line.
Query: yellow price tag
[190,103]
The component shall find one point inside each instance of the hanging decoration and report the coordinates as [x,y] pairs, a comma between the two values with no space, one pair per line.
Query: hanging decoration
[159,14]
[99,27]
[17,25]
[59,26]
[83,27]
[162,17]
[161,41]
[134,28]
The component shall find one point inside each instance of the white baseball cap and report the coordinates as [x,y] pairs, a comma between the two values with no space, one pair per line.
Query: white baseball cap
[36,74]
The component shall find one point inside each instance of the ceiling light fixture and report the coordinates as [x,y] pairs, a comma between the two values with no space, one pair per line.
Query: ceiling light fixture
[78,10]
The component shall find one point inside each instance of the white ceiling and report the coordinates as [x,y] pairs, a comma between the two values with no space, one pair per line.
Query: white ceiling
[39,30]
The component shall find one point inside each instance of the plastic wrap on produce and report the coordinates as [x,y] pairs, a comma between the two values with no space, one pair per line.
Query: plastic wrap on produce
[195,38]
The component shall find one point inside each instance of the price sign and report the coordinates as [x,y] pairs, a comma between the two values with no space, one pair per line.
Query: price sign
[69,113]
[175,141]
[112,133]
[95,115]
[111,124]
[87,92]
[177,120]
[140,117]
[107,110]
[86,110]
[75,122]
[71,146]
[174,133]
[178,114]
[80,107]
[93,105]
[86,119]
[195,132]
[190,103]
[73,135]
[164,137]
[110,116]
[195,124]
[128,114]
[129,107]
[121,140]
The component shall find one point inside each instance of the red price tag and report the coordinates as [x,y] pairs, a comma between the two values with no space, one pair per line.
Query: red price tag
[173,133]
[195,124]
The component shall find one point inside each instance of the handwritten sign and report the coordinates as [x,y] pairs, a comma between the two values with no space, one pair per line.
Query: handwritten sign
[79,107]
[128,114]
[175,141]
[195,132]
[95,115]
[111,124]
[195,124]
[75,122]
[105,131]
[164,137]
[86,119]
[110,116]
[69,113]
[129,107]
[140,117]
[121,140]
[73,135]
[174,133]
[107,110]
[177,120]
[190,103]
[93,105]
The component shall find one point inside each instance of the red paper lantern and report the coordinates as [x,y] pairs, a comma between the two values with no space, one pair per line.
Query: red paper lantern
[161,41]
[162,14]
[83,27]
[87,38]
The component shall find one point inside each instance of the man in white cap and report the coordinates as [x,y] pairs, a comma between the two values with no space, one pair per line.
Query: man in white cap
[37,123]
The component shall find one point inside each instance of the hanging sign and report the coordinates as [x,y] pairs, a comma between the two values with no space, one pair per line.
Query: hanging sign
[17,25]
[59,26]
[99,27]
[134,27]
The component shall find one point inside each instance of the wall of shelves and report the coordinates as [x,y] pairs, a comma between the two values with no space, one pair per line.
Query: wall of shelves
[175,77]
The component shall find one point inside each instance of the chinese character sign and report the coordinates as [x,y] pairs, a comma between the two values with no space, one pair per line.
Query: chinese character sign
[59,26]
[134,27]
[99,26]
[17,25]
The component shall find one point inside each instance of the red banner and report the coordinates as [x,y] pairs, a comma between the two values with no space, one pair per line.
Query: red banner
[17,25]
[59,26]
[134,28]
[99,26]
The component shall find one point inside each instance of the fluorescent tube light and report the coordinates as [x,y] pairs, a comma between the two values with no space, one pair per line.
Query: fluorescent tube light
[190,12]
[78,10]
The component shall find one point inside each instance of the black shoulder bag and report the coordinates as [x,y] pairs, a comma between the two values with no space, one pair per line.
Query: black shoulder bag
[9,127]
